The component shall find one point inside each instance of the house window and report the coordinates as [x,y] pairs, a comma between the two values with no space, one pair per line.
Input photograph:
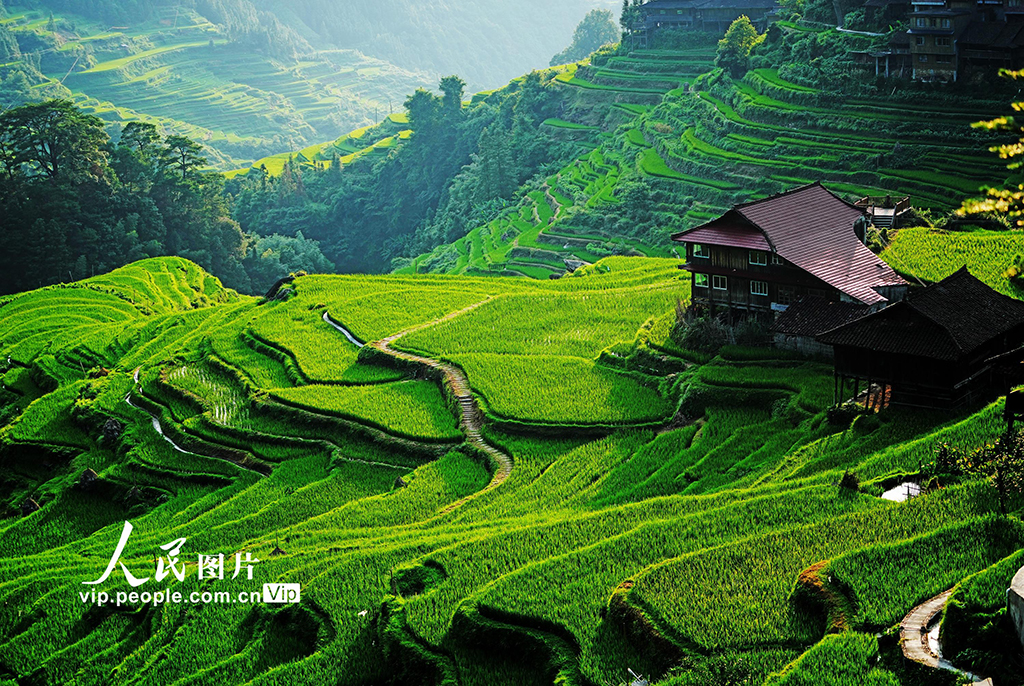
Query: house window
[943,42]
[700,250]
[719,283]
[776,259]
[921,21]
[944,59]
[759,287]
[1013,3]
[700,280]
[922,58]
[920,40]
[757,257]
[786,295]
[946,23]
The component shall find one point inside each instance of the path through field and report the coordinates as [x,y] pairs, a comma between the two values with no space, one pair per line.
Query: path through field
[471,418]
[919,636]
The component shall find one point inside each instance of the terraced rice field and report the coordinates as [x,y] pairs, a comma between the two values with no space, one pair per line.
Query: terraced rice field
[181,72]
[705,142]
[655,507]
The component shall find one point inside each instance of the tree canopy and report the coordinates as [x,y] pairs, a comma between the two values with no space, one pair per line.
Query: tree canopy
[73,203]
[597,28]
[734,49]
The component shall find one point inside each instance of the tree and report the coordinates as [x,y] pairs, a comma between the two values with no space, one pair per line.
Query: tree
[1006,202]
[630,16]
[1002,463]
[142,136]
[597,29]
[183,155]
[55,139]
[734,49]
[453,88]
[422,107]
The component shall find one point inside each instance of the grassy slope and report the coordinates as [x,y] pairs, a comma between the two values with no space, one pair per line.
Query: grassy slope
[594,543]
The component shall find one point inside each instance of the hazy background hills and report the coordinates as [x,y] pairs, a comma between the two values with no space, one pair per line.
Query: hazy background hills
[487,42]
[251,78]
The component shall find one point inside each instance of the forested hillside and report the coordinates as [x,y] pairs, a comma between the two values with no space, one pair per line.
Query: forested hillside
[612,155]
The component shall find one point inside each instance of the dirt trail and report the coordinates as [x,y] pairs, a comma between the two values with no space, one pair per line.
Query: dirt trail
[471,417]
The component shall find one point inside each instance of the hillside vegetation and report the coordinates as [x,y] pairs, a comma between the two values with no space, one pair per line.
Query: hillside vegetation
[661,505]
[252,79]
[196,72]
[619,151]
[668,142]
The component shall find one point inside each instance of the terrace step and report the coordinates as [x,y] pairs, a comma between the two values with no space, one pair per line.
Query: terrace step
[471,418]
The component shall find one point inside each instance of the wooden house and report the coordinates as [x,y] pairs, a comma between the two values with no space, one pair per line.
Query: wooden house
[934,349]
[700,15]
[760,257]
[951,39]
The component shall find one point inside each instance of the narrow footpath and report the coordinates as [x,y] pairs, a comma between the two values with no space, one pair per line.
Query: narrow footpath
[919,637]
[471,417]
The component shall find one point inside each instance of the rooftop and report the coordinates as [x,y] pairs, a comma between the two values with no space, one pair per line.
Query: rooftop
[994,34]
[810,316]
[946,321]
[811,228]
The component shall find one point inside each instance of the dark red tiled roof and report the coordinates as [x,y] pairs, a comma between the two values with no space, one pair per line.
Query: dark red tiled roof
[814,230]
[989,35]
[810,316]
[735,234]
[946,321]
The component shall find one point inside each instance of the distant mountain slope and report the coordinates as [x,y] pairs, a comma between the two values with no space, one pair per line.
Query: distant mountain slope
[487,42]
[241,82]
[252,78]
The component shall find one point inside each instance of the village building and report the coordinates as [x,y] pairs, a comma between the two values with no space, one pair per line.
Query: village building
[892,60]
[700,15]
[949,39]
[760,258]
[935,348]
[799,326]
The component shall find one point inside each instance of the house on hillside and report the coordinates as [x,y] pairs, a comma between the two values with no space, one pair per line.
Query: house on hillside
[892,60]
[760,258]
[949,39]
[699,15]
[933,349]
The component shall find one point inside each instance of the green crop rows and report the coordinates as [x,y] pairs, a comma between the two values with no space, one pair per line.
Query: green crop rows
[656,493]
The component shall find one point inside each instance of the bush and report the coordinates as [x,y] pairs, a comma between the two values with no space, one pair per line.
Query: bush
[850,481]
[703,334]
[751,333]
